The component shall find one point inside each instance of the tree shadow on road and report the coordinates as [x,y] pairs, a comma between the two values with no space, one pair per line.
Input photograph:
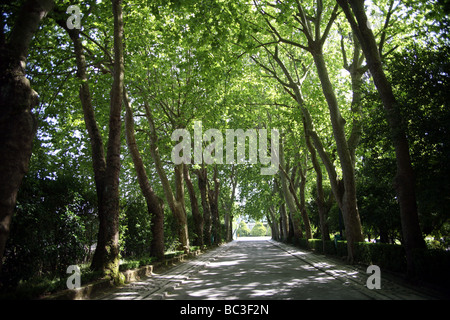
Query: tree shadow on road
[259,270]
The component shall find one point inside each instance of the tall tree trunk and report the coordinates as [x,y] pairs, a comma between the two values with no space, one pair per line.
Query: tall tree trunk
[180,208]
[320,199]
[203,187]
[228,216]
[300,204]
[404,180]
[17,99]
[227,223]
[303,211]
[95,137]
[214,204]
[198,219]
[289,197]
[106,257]
[155,205]
[311,135]
[284,224]
[274,226]
[353,229]
[345,192]
[176,202]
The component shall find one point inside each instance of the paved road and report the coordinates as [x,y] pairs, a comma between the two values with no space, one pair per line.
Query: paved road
[261,270]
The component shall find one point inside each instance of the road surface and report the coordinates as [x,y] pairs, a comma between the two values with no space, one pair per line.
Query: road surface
[261,269]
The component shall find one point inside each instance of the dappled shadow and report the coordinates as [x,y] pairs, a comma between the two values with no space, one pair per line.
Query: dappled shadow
[259,270]
[255,269]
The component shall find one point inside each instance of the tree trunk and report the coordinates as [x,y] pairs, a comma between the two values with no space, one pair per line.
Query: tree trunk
[345,192]
[310,134]
[17,99]
[320,199]
[180,208]
[284,224]
[227,222]
[274,226]
[106,257]
[214,204]
[95,138]
[98,154]
[404,180]
[228,216]
[353,229]
[198,219]
[302,203]
[176,202]
[203,187]
[289,198]
[155,205]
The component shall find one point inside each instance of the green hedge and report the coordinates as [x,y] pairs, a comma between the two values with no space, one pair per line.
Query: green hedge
[432,265]
[136,263]
[341,248]
[318,246]
[386,256]
[302,243]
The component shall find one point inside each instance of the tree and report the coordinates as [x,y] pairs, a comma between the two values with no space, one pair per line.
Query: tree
[404,181]
[228,202]
[198,219]
[301,67]
[258,230]
[106,257]
[202,179]
[56,212]
[312,40]
[17,99]
[290,198]
[243,230]
[106,168]
[213,195]
[155,205]
[419,80]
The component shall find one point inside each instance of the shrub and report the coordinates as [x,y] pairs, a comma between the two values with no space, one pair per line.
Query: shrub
[330,247]
[316,245]
[362,252]
[341,248]
[389,256]
[258,230]
[303,243]
[432,265]
[243,230]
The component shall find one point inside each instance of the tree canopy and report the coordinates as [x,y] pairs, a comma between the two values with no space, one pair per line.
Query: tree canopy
[94,178]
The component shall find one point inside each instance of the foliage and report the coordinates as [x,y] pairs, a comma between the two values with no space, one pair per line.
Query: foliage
[137,235]
[425,104]
[422,84]
[226,63]
[318,246]
[243,230]
[54,227]
[258,230]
